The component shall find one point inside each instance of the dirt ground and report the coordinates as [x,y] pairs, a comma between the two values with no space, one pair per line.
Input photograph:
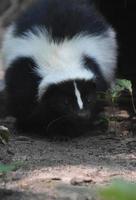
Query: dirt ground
[53,169]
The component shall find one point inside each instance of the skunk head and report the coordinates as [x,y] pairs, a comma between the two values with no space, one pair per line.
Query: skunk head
[70,99]
[68,106]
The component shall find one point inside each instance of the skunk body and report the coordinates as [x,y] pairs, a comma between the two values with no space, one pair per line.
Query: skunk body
[57,55]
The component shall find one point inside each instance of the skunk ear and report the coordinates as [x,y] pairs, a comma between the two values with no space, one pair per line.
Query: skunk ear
[101,85]
[100,82]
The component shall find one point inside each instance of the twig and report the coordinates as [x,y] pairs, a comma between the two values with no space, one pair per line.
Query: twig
[133,102]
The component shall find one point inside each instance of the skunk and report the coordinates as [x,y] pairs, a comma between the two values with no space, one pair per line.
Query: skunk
[58,54]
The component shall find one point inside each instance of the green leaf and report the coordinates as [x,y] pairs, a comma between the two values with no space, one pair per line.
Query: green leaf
[8,168]
[120,86]
[4,135]
[119,190]
[102,120]
[124,84]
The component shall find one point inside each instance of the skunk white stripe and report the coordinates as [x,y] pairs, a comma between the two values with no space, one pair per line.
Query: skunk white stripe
[51,55]
[61,61]
[78,96]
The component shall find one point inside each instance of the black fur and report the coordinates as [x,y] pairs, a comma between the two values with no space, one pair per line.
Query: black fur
[101,83]
[22,87]
[64,18]
[58,112]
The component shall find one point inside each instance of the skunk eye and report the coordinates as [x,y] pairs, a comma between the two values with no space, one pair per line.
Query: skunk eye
[89,99]
[66,101]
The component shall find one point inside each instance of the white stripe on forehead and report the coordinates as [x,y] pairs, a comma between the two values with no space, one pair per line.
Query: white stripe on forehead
[78,96]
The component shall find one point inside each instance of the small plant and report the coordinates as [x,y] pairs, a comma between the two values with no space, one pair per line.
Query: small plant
[120,86]
[4,135]
[5,169]
[8,168]
[113,95]
[118,190]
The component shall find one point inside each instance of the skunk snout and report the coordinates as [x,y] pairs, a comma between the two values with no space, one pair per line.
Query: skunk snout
[84,114]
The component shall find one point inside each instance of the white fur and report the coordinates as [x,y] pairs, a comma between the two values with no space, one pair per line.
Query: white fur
[78,96]
[59,61]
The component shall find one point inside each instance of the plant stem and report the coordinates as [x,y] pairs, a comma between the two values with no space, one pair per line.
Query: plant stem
[114,116]
[133,102]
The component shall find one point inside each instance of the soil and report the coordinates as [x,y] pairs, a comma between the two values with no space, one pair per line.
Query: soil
[67,169]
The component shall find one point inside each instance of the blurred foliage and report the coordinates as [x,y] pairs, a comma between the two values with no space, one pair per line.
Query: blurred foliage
[4,135]
[119,190]
[4,169]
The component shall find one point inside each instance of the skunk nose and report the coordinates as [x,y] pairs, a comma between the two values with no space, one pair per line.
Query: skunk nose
[84,114]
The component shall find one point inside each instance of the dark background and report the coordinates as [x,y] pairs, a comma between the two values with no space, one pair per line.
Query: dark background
[122,15]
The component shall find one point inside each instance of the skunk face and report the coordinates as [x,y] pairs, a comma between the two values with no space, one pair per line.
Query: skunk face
[57,56]
[71,99]
[68,107]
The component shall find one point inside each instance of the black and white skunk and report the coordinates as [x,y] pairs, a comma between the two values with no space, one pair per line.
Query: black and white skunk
[57,55]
